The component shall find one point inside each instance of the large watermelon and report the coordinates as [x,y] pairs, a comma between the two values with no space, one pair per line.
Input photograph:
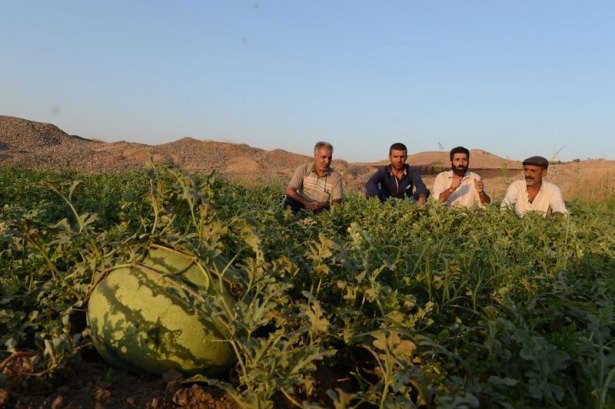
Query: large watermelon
[150,316]
[189,269]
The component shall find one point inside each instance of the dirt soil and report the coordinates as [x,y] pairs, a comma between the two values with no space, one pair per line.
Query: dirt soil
[96,385]
[93,383]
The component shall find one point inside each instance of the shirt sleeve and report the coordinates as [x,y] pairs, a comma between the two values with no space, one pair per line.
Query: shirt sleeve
[420,187]
[372,187]
[439,185]
[296,182]
[557,201]
[510,198]
[338,188]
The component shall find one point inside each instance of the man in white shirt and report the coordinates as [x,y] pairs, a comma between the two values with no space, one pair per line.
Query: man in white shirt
[534,193]
[459,186]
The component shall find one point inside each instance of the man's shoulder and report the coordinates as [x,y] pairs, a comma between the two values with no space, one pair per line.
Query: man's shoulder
[305,167]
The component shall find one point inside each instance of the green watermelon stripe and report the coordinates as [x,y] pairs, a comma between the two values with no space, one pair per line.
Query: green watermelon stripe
[145,320]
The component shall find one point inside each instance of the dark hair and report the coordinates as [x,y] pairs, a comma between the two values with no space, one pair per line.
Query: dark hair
[459,149]
[398,146]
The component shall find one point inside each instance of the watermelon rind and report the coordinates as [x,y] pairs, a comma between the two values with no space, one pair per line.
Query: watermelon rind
[149,321]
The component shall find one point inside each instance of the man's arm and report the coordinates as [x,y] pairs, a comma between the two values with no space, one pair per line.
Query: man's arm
[557,204]
[337,192]
[510,198]
[311,205]
[480,189]
[441,189]
[292,190]
[439,186]
[336,195]
[484,197]
[372,187]
[421,193]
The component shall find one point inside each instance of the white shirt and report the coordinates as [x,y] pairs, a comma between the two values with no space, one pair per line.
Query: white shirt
[549,199]
[466,194]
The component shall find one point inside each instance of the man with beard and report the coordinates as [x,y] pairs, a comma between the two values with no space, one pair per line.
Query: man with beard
[534,193]
[398,179]
[459,186]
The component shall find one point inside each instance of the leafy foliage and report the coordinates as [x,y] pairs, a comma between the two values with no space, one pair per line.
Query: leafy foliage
[408,307]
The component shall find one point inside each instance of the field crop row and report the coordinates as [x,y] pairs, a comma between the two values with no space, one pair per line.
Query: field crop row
[403,306]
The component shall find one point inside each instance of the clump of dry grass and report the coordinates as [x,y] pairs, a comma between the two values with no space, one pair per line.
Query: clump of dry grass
[590,185]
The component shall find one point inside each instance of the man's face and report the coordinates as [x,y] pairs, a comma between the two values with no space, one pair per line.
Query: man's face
[533,174]
[322,159]
[459,164]
[398,159]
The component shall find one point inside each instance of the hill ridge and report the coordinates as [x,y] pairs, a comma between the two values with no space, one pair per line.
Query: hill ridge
[23,135]
[42,145]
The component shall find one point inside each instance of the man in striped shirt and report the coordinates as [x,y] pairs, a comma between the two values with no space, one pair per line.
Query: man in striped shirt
[315,186]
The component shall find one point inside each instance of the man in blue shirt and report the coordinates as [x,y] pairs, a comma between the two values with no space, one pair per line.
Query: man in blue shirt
[398,179]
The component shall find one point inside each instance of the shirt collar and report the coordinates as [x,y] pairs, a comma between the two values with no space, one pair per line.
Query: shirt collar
[450,174]
[389,168]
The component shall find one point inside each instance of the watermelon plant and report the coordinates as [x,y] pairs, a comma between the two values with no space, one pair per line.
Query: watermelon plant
[369,305]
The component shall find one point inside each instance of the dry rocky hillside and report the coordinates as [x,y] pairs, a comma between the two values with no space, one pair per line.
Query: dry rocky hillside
[42,145]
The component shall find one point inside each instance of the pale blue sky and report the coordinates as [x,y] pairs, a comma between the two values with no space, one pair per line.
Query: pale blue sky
[513,77]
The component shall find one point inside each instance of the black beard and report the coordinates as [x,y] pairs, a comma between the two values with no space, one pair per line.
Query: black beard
[459,171]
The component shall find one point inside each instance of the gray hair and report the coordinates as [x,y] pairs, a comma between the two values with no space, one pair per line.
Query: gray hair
[322,144]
